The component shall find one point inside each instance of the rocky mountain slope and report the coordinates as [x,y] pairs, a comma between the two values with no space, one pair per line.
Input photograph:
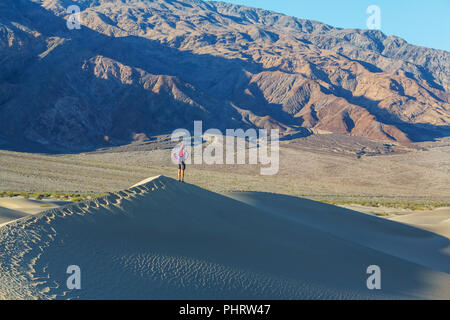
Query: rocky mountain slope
[147,67]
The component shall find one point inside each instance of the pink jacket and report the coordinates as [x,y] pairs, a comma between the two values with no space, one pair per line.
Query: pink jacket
[181,155]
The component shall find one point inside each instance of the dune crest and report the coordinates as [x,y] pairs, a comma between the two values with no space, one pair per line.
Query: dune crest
[161,239]
[145,181]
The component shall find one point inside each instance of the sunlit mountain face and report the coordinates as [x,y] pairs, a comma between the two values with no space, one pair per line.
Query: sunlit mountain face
[148,67]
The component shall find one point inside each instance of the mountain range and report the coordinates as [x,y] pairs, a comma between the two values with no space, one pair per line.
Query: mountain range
[145,67]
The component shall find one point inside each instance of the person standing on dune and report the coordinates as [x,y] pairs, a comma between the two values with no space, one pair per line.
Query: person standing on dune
[181,155]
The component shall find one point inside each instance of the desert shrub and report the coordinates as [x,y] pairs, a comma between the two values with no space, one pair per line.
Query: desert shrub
[25,195]
[398,204]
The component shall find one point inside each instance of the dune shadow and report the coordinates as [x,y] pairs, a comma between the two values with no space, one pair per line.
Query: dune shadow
[8,215]
[302,209]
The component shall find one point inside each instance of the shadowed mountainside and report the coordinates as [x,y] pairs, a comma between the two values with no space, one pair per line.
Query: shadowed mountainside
[147,67]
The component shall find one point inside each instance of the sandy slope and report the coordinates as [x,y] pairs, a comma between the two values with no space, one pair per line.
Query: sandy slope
[18,207]
[7,215]
[164,239]
[30,206]
[437,221]
[409,243]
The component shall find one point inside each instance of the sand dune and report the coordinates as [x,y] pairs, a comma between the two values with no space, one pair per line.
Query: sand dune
[163,239]
[18,207]
[437,221]
[401,240]
[30,206]
[7,215]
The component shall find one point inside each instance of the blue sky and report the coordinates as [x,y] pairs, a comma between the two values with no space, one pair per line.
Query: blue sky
[419,22]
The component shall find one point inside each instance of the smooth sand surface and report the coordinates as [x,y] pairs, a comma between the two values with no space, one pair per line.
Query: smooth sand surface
[167,240]
[437,221]
[18,207]
[7,215]
[30,206]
